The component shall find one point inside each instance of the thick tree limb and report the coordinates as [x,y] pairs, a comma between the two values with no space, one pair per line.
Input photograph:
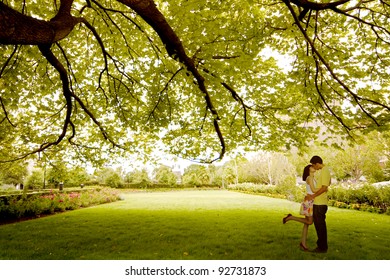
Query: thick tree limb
[309,6]
[318,6]
[19,29]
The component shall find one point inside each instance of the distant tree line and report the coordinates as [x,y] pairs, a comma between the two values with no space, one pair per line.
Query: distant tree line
[368,161]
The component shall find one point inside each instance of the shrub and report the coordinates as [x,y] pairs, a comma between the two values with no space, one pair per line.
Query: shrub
[294,193]
[358,197]
[22,206]
[114,180]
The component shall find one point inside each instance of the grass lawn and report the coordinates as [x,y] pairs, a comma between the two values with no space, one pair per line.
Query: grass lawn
[193,225]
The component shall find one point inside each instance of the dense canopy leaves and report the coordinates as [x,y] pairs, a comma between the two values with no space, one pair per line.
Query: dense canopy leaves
[202,77]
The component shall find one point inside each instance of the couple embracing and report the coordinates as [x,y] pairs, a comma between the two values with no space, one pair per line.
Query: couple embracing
[315,205]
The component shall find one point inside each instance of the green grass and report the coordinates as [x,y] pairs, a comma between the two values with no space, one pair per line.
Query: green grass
[193,225]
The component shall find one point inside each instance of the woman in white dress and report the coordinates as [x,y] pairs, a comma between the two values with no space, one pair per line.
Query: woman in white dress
[306,206]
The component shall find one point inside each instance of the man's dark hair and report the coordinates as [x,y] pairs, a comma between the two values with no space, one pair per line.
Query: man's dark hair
[316,159]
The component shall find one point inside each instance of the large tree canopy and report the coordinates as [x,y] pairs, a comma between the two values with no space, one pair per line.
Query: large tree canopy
[200,76]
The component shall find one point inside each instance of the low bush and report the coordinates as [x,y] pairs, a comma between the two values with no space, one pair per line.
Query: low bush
[33,205]
[294,193]
[358,197]
[154,186]
[363,197]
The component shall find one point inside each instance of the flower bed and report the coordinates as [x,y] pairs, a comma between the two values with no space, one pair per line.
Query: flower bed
[16,207]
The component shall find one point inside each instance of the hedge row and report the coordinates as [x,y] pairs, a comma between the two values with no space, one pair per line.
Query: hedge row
[359,197]
[147,185]
[35,204]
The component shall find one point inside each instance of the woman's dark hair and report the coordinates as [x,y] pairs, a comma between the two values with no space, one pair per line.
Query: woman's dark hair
[306,172]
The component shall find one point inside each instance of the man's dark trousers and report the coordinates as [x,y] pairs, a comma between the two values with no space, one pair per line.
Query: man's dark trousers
[319,216]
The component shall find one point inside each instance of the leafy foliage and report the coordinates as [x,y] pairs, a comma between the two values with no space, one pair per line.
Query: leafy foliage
[196,175]
[138,176]
[165,175]
[367,160]
[35,180]
[13,173]
[201,77]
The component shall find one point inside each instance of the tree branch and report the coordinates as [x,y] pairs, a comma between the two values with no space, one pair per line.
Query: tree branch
[148,11]
[161,92]
[354,96]
[5,113]
[1,73]
[52,59]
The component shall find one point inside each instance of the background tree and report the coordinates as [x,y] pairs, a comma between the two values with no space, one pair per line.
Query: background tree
[270,169]
[164,175]
[35,180]
[109,176]
[197,175]
[234,171]
[217,176]
[57,173]
[361,161]
[114,180]
[137,176]
[101,76]
[229,174]
[13,173]
[78,175]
